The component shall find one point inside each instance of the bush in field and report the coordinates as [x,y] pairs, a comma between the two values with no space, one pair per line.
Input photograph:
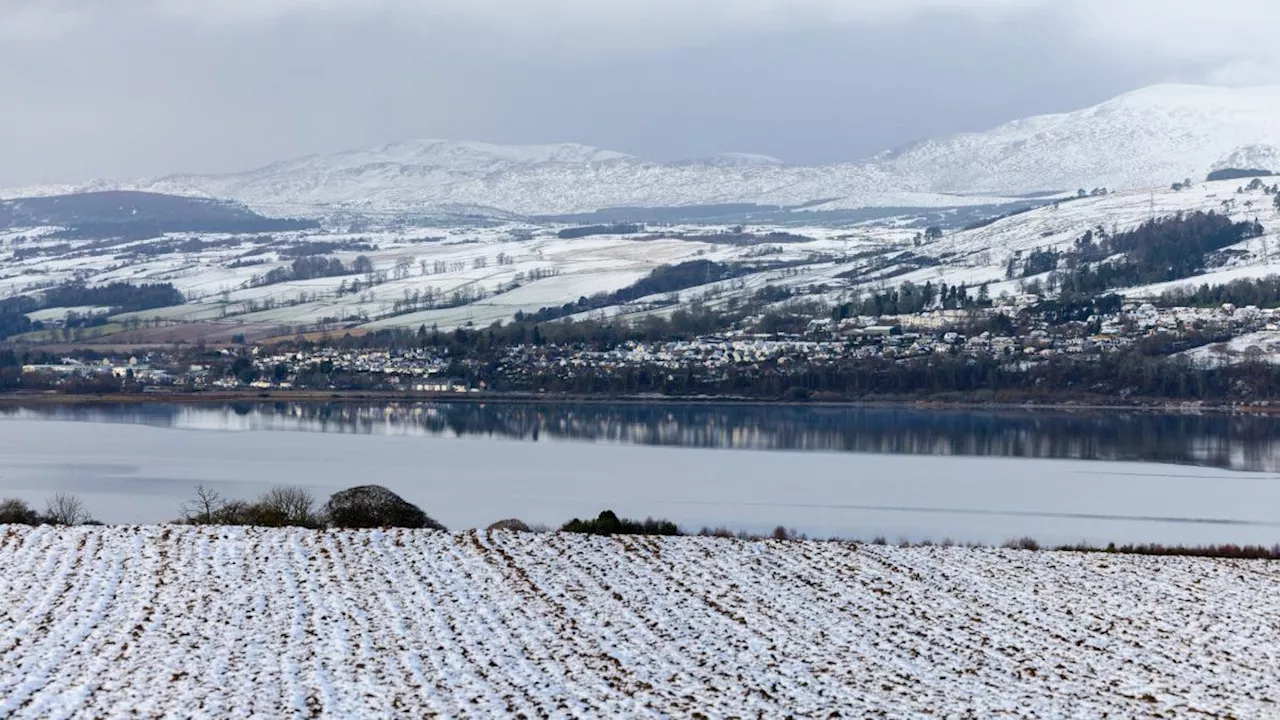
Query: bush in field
[17,512]
[286,507]
[728,534]
[373,506]
[232,512]
[1023,543]
[608,523]
[781,532]
[512,524]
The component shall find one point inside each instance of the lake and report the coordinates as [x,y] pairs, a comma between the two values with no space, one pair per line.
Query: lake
[965,475]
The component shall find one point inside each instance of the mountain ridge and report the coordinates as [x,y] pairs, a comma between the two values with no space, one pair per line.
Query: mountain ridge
[1145,138]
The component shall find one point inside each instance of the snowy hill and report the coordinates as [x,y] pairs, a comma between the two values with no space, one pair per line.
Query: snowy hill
[1148,138]
[533,180]
[452,274]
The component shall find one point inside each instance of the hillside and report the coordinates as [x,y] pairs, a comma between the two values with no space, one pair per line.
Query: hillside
[450,276]
[238,622]
[108,212]
[981,255]
[1148,138]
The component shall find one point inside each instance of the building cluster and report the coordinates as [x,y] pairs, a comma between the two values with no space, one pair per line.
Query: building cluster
[901,338]
[407,363]
[141,370]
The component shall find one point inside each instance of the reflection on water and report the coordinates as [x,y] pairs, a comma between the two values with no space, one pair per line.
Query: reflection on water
[1239,442]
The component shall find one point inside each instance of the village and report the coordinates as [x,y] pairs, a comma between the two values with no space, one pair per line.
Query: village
[982,333]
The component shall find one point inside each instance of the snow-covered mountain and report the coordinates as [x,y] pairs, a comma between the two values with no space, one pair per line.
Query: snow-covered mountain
[1150,137]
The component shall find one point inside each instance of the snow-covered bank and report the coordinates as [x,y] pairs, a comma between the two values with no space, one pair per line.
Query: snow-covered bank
[219,622]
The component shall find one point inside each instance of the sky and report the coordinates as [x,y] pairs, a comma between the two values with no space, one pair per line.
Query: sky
[136,88]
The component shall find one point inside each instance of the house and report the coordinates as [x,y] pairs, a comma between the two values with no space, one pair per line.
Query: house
[64,369]
[439,385]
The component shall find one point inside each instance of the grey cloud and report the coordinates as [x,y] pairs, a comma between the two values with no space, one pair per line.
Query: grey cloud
[147,87]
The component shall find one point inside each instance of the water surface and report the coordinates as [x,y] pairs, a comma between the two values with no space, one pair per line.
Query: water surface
[854,472]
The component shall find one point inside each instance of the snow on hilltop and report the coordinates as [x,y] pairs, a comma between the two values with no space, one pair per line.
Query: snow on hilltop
[240,622]
[1251,157]
[1148,138]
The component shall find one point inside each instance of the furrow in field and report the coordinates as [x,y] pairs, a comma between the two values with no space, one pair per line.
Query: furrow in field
[243,622]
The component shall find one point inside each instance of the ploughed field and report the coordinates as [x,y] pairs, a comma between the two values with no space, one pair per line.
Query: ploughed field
[244,622]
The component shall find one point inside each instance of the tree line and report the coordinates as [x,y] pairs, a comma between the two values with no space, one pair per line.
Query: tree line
[1262,292]
[909,298]
[309,267]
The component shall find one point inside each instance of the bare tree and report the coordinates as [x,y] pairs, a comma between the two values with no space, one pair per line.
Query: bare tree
[66,509]
[205,508]
[403,265]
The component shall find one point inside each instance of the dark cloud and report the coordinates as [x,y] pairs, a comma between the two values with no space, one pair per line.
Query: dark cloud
[152,87]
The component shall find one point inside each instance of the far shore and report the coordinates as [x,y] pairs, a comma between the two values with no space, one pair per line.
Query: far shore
[25,398]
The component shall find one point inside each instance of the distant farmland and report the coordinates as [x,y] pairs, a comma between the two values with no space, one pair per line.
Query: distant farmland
[240,622]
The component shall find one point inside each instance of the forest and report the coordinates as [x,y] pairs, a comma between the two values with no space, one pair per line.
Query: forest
[119,297]
[1158,251]
[589,230]
[308,267]
[665,279]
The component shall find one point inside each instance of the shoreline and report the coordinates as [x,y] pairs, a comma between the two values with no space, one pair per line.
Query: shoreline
[20,398]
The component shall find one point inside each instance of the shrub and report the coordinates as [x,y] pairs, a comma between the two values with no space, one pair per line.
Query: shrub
[233,512]
[512,524]
[17,512]
[285,507]
[1022,543]
[783,533]
[372,506]
[608,523]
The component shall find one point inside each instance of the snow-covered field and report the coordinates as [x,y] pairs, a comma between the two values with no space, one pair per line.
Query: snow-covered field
[452,276]
[234,622]
[480,274]
[1261,345]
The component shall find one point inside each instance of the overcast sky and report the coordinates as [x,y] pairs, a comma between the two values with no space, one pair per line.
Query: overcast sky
[127,88]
